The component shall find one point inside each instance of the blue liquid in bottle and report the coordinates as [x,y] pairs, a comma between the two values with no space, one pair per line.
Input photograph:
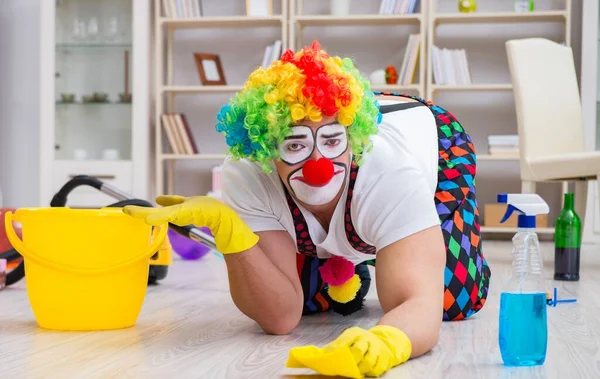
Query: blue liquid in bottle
[523,330]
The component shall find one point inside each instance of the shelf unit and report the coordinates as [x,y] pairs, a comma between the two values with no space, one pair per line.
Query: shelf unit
[74,136]
[293,22]
[166,91]
[436,19]
[299,21]
[496,17]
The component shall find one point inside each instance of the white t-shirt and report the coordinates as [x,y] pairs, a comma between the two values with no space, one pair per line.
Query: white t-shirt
[393,194]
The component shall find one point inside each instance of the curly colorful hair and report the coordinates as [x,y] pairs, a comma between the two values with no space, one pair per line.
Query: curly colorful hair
[306,84]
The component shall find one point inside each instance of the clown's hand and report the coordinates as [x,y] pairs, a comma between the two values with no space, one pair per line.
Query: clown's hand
[231,234]
[355,353]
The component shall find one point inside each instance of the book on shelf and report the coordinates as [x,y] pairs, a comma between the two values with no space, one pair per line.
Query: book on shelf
[182,8]
[503,145]
[179,134]
[408,69]
[398,6]
[450,66]
[272,53]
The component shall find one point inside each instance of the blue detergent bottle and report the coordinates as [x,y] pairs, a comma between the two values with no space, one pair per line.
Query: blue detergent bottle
[523,327]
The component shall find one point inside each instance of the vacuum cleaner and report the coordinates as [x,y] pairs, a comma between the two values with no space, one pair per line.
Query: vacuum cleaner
[159,262]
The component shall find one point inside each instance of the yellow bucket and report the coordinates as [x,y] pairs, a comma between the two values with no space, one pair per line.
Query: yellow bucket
[85,269]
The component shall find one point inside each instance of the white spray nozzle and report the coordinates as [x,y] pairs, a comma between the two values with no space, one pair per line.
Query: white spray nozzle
[528,204]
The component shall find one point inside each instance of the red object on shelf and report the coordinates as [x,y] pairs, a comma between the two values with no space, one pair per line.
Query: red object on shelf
[391,75]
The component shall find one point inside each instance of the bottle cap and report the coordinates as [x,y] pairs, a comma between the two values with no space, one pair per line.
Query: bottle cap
[526,221]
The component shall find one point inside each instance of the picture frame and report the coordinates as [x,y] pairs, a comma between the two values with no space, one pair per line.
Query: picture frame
[210,69]
[259,8]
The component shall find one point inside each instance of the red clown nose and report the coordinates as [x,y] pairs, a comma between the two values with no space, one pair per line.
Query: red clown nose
[317,172]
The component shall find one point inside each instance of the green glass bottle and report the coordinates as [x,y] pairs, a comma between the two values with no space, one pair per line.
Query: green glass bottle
[567,242]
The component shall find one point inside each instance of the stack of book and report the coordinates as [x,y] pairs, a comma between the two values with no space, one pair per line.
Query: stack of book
[398,6]
[179,134]
[272,53]
[504,145]
[450,66]
[411,57]
[182,8]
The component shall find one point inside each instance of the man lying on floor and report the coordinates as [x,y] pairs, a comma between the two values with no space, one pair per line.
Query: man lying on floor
[326,177]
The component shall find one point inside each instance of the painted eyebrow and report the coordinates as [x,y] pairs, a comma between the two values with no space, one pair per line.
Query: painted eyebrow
[296,136]
[332,135]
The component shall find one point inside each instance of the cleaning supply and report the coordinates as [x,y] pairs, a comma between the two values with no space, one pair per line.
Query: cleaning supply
[187,248]
[355,353]
[567,242]
[86,269]
[523,332]
[230,232]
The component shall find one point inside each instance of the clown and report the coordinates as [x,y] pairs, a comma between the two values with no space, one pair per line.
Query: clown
[326,177]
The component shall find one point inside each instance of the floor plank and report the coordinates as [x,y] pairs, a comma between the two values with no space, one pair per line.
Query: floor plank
[189,328]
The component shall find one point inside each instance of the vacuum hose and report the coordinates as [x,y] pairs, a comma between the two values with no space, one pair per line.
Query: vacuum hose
[60,200]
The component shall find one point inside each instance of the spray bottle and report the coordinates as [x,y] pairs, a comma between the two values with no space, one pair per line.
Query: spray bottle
[523,331]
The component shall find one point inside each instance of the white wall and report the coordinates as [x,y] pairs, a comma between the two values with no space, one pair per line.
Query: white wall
[481,113]
[19,102]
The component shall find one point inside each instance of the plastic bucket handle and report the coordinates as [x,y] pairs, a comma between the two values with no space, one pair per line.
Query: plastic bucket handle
[28,254]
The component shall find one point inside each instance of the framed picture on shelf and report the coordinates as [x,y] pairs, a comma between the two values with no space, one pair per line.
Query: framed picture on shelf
[210,69]
[259,8]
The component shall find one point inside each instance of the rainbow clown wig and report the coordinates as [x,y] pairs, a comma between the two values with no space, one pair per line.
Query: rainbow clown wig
[306,84]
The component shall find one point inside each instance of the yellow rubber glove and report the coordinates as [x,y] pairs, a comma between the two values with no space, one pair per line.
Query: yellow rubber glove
[355,353]
[231,234]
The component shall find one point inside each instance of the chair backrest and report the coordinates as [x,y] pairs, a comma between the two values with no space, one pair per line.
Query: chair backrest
[547,100]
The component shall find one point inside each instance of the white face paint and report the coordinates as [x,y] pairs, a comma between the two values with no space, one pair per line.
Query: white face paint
[298,146]
[331,141]
[318,195]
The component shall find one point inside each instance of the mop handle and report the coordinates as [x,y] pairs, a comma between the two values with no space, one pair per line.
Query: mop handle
[188,231]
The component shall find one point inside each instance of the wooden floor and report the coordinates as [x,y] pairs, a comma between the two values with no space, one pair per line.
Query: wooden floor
[189,328]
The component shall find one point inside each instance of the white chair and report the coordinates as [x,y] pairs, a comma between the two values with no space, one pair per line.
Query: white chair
[549,117]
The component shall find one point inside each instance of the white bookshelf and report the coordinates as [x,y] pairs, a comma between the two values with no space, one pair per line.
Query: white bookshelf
[223,22]
[503,17]
[166,91]
[298,22]
[293,22]
[437,18]
[355,20]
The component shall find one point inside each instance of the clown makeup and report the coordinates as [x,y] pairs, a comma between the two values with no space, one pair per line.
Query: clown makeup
[330,140]
[297,147]
[315,181]
[317,194]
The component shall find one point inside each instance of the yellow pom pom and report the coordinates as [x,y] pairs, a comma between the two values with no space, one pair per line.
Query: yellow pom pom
[347,291]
